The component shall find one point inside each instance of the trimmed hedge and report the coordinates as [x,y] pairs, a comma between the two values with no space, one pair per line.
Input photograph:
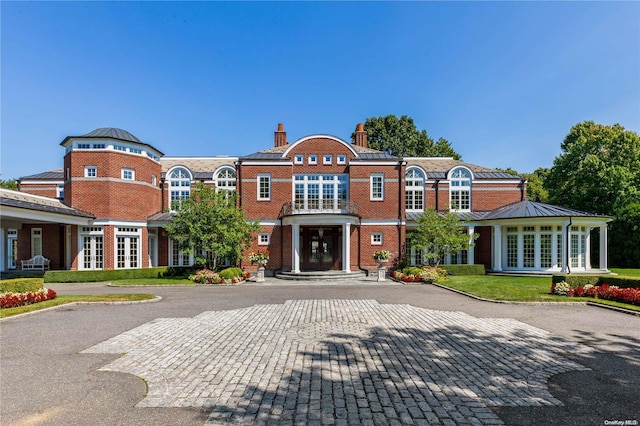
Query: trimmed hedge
[463,269]
[582,280]
[231,273]
[109,275]
[21,285]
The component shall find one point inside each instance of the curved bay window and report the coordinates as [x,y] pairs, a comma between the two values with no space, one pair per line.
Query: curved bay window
[180,187]
[414,190]
[460,190]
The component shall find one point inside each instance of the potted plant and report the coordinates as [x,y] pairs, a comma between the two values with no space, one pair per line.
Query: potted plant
[381,256]
[261,257]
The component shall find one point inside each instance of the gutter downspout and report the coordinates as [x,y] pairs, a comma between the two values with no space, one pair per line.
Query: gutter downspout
[437,187]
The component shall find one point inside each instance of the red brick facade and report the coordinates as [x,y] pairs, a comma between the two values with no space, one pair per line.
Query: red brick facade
[323,203]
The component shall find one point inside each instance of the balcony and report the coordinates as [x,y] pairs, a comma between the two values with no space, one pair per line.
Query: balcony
[338,207]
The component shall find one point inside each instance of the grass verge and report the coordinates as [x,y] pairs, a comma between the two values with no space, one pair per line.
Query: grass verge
[64,299]
[518,289]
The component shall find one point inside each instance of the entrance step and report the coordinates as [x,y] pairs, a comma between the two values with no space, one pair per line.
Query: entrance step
[322,275]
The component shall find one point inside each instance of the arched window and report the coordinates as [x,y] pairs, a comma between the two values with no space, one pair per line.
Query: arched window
[460,190]
[225,179]
[414,190]
[180,186]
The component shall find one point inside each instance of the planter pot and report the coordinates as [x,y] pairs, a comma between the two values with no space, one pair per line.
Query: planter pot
[382,270]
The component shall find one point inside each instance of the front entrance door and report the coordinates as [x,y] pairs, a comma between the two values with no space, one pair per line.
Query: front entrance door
[321,248]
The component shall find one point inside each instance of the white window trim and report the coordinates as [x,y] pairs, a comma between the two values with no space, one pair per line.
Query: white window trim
[327,159]
[266,241]
[372,178]
[298,159]
[342,159]
[124,170]
[36,234]
[87,169]
[259,195]
[313,159]
[373,238]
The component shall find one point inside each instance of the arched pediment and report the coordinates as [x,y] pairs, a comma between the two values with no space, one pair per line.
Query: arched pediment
[308,139]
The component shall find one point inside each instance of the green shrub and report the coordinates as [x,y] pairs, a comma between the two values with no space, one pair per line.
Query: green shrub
[231,273]
[412,270]
[99,276]
[582,280]
[21,285]
[464,269]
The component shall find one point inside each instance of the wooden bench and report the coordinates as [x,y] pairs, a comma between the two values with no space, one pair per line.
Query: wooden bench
[35,263]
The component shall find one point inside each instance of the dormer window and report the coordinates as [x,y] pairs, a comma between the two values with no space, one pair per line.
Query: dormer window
[460,190]
[327,159]
[298,159]
[313,159]
[414,190]
[180,186]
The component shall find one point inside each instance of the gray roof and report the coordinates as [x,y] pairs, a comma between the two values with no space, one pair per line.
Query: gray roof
[57,174]
[34,202]
[438,167]
[534,209]
[111,133]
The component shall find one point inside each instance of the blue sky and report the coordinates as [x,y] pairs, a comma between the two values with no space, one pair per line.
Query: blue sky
[502,81]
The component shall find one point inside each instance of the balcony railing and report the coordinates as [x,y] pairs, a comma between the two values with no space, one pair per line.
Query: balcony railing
[343,207]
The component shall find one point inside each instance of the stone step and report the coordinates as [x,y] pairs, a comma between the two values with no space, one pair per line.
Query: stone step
[321,275]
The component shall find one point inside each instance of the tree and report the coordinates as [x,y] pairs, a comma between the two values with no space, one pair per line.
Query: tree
[535,183]
[9,184]
[598,171]
[400,137]
[440,233]
[211,226]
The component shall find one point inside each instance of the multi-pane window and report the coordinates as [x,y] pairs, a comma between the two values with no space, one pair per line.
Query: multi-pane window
[327,159]
[376,238]
[377,187]
[128,174]
[180,186]
[226,179]
[414,189]
[529,247]
[342,159]
[313,159]
[99,146]
[92,242]
[546,240]
[264,239]
[512,247]
[264,187]
[178,256]
[36,242]
[84,146]
[120,148]
[460,190]
[90,171]
[320,192]
[298,159]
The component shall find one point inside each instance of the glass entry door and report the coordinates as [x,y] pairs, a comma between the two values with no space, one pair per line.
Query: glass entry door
[321,248]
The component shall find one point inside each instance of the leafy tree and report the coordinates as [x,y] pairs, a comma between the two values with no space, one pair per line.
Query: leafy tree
[400,137]
[440,233]
[9,184]
[210,222]
[535,183]
[598,171]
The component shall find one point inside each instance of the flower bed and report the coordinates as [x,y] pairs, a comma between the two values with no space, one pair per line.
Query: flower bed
[604,291]
[12,300]
[206,276]
[414,274]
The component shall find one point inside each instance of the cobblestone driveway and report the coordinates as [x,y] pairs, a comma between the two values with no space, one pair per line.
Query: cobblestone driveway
[342,362]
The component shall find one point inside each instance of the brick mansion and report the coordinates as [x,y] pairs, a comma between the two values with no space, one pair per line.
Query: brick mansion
[323,204]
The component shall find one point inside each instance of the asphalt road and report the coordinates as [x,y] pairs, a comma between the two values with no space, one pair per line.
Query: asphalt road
[46,380]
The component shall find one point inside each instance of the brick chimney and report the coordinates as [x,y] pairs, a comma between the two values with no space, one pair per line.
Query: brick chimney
[361,136]
[280,136]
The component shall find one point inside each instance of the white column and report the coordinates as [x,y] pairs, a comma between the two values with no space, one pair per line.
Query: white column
[604,255]
[3,249]
[346,247]
[497,248]
[471,251]
[67,246]
[295,247]
[566,247]
[587,250]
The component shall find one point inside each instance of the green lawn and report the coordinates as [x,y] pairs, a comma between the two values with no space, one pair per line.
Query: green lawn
[64,299]
[518,289]
[626,272]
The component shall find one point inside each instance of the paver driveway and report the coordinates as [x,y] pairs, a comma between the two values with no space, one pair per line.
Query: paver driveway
[318,355]
[342,361]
